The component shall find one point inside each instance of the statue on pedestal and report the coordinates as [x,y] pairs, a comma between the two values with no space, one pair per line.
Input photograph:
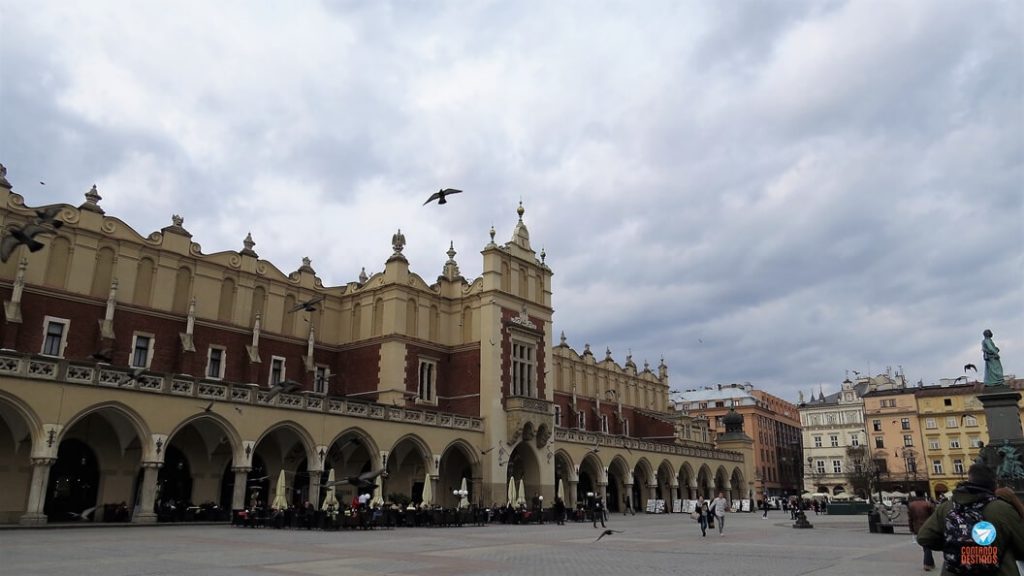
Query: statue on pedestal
[993,367]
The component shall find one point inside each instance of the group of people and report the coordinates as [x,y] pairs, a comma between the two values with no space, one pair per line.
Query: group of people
[709,514]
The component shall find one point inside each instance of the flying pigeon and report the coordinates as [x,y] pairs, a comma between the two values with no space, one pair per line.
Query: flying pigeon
[970,367]
[364,480]
[286,386]
[308,305]
[17,236]
[208,407]
[609,532]
[105,356]
[48,216]
[440,196]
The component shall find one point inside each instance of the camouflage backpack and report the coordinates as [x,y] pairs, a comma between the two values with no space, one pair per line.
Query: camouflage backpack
[969,538]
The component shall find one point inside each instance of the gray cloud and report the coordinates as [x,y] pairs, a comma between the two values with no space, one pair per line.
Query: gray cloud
[805,187]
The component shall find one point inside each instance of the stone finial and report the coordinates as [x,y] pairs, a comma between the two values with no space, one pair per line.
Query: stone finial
[543,255]
[307,265]
[520,210]
[92,199]
[451,267]
[491,243]
[451,251]
[647,366]
[248,243]
[398,242]
[177,220]
[608,353]
[362,276]
[563,338]
[5,184]
[586,350]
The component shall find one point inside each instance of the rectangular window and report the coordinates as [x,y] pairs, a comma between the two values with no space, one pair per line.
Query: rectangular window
[947,402]
[854,440]
[879,442]
[215,363]
[954,442]
[277,370]
[582,420]
[819,466]
[958,466]
[523,366]
[817,441]
[55,336]
[426,390]
[834,440]
[604,423]
[975,442]
[558,415]
[320,379]
[908,440]
[970,421]
[837,466]
[876,425]
[951,422]
[904,423]
[933,444]
[930,424]
[881,465]
[142,350]
[625,427]
[937,466]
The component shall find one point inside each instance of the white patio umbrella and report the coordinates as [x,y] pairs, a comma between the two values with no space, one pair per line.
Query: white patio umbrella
[463,501]
[511,490]
[330,499]
[280,500]
[560,492]
[522,493]
[428,492]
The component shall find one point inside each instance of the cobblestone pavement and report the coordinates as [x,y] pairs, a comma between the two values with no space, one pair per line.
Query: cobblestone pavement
[649,545]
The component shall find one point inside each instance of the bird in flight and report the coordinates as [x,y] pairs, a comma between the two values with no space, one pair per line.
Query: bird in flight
[21,235]
[308,305]
[48,216]
[208,407]
[959,378]
[609,532]
[105,356]
[488,450]
[440,196]
[286,386]
[133,376]
[364,480]
[970,367]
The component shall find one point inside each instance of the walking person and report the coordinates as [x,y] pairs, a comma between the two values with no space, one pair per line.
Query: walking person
[718,509]
[918,510]
[701,512]
[765,505]
[627,505]
[559,511]
[598,512]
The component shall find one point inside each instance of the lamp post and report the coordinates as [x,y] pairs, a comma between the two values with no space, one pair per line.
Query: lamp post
[459,494]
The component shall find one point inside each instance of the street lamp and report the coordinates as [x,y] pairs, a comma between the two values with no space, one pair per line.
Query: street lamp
[460,494]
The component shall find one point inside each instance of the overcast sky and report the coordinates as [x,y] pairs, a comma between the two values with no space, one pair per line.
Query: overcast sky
[763,192]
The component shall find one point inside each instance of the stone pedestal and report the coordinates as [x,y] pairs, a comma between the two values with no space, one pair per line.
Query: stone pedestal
[1001,414]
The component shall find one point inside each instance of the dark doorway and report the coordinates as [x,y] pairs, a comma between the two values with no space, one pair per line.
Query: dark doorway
[74,483]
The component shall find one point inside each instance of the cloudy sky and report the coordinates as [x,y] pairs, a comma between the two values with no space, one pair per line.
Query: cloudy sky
[764,192]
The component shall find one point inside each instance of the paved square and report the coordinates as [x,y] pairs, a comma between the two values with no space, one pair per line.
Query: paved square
[650,545]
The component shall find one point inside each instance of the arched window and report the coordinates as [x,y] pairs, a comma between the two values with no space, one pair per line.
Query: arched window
[57,265]
[103,273]
[357,322]
[411,313]
[225,311]
[467,324]
[378,317]
[182,290]
[144,273]
[259,297]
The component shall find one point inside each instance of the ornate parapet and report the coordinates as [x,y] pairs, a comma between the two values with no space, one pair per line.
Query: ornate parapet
[529,419]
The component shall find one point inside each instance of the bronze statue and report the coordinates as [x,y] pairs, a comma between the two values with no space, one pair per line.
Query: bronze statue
[993,367]
[1010,468]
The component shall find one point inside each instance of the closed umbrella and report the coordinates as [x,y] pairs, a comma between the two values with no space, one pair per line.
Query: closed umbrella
[522,494]
[330,499]
[280,500]
[511,490]
[560,493]
[464,501]
[428,492]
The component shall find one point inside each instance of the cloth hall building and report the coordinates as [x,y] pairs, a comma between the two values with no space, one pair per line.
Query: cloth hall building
[136,368]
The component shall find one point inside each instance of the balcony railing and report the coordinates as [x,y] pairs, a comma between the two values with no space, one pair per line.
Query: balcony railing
[60,370]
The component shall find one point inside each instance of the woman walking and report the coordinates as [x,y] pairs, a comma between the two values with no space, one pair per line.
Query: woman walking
[701,513]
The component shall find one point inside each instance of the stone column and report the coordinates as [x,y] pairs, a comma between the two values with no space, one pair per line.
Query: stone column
[239,493]
[148,497]
[628,488]
[314,489]
[37,492]
[572,495]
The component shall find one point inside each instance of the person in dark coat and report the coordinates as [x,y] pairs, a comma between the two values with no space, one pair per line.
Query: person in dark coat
[918,511]
[559,511]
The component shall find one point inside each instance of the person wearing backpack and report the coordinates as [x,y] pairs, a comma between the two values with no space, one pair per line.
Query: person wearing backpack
[918,511]
[977,532]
